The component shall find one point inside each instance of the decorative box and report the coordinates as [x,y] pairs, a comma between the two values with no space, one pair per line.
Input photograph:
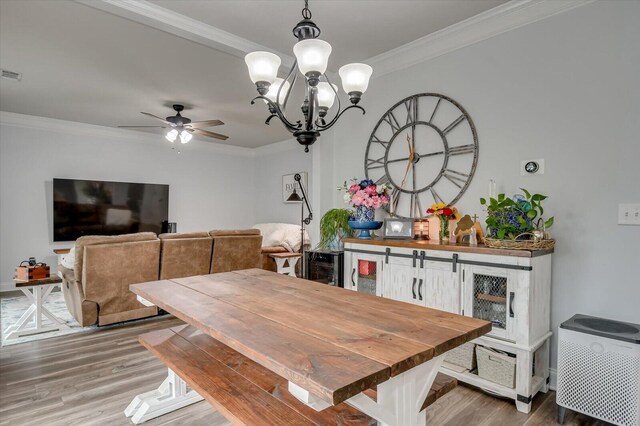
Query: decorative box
[366,267]
[30,273]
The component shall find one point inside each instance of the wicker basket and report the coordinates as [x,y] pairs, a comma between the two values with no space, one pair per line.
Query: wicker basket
[496,367]
[532,244]
[462,356]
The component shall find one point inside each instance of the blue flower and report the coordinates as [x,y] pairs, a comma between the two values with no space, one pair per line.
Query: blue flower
[365,183]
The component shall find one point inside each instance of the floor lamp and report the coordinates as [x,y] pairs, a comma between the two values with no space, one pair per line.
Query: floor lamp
[303,220]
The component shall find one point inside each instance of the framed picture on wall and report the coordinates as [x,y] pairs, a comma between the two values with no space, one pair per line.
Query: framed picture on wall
[289,184]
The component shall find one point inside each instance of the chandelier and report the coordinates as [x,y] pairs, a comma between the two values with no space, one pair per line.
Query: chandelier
[312,56]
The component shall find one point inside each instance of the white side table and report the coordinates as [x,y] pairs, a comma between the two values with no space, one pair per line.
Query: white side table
[37,292]
[286,262]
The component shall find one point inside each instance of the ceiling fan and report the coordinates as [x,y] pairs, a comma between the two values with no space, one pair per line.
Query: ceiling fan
[183,127]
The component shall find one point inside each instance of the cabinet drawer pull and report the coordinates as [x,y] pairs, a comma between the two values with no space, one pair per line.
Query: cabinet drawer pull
[511,297]
[353,283]
[413,287]
[420,289]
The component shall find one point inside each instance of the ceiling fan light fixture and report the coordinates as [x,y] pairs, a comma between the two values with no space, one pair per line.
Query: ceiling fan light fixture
[185,136]
[171,135]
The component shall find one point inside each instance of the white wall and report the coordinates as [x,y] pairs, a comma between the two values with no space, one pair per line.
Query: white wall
[271,163]
[565,89]
[210,186]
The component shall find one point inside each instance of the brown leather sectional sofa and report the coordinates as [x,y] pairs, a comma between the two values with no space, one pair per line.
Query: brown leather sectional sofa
[97,289]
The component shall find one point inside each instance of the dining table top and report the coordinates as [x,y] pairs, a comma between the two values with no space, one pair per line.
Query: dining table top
[333,342]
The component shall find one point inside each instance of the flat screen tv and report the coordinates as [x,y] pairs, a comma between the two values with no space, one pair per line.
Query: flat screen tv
[90,207]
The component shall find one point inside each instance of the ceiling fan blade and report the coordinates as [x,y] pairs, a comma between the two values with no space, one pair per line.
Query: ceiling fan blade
[205,123]
[158,118]
[209,134]
[142,127]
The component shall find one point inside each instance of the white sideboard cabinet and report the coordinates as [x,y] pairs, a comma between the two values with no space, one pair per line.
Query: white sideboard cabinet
[509,288]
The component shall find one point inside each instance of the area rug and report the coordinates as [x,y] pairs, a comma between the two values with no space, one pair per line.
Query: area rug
[12,308]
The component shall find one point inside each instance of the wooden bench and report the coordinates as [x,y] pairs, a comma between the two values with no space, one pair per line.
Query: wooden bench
[244,391]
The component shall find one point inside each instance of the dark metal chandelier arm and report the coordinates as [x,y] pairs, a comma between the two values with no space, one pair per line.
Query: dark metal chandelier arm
[292,127]
[332,122]
[293,82]
[313,106]
[321,125]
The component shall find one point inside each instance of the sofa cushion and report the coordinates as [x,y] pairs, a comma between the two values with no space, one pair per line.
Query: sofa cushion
[286,235]
[185,235]
[185,257]
[69,259]
[233,232]
[89,240]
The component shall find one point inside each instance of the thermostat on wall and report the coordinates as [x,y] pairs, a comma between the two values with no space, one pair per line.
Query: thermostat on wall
[532,167]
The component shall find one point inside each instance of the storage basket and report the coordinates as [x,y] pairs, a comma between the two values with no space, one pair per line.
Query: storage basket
[463,356]
[496,367]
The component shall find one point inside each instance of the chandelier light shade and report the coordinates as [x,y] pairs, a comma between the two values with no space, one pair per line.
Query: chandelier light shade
[326,94]
[312,56]
[263,67]
[355,79]
[275,88]
[185,136]
[172,135]
[321,96]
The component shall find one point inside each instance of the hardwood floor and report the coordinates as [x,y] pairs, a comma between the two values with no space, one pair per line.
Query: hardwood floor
[89,378]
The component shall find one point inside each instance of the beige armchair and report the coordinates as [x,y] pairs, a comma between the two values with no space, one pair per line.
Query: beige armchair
[97,290]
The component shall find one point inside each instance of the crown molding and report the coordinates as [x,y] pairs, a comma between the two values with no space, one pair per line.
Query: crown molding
[166,20]
[506,17]
[92,130]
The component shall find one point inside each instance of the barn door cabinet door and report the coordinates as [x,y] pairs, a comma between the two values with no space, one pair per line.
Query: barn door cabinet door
[364,272]
[441,287]
[496,295]
[401,281]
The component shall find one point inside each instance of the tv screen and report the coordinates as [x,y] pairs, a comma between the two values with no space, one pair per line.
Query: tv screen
[90,207]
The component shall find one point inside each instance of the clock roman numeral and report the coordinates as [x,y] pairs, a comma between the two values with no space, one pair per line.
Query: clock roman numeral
[462,149]
[433,114]
[395,198]
[419,211]
[455,177]
[391,120]
[453,125]
[375,163]
[435,195]
[412,110]
[375,139]
[383,180]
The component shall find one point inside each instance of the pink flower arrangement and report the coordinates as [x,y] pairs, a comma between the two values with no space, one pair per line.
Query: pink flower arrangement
[366,193]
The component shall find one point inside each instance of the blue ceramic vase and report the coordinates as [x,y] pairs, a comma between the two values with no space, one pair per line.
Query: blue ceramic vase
[365,214]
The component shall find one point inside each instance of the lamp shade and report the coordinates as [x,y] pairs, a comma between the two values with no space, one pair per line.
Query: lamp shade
[294,196]
[312,55]
[275,86]
[185,136]
[326,95]
[263,66]
[171,135]
[355,77]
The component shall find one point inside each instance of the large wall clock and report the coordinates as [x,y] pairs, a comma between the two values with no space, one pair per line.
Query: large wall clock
[425,148]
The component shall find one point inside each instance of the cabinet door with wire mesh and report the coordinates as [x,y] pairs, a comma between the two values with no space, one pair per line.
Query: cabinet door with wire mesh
[490,294]
[365,274]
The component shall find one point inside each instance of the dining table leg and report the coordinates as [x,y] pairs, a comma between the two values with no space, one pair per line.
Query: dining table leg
[399,399]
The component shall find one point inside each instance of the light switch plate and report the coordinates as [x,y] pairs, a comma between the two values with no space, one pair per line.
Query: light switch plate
[629,214]
[532,167]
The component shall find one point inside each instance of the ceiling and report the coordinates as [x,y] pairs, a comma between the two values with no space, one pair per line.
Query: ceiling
[86,65]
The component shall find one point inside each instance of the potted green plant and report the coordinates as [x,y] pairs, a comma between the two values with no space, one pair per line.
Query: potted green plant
[334,226]
[517,222]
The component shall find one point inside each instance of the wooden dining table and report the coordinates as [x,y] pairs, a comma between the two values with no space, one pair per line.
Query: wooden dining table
[331,345]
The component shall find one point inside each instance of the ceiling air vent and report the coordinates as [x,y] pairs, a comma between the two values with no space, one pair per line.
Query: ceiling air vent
[11,75]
